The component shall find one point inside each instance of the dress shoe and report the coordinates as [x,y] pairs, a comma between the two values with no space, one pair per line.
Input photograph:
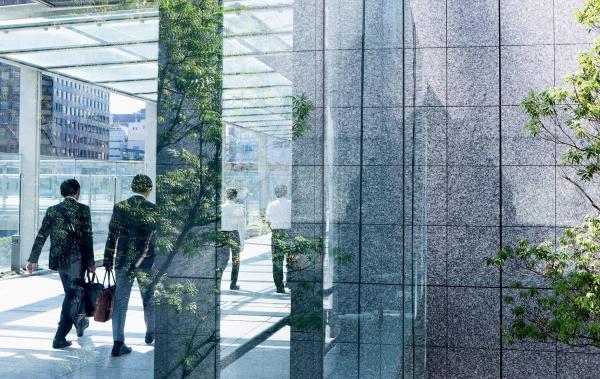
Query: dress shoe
[119,348]
[149,338]
[61,344]
[81,326]
[281,290]
[234,287]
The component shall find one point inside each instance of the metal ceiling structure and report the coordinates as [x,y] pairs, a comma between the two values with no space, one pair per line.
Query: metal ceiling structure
[117,49]
[258,66]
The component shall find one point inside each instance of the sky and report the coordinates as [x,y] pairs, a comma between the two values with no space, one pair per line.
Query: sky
[124,104]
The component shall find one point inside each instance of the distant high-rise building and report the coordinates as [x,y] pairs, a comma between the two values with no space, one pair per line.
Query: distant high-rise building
[125,118]
[78,126]
[9,108]
[74,117]
[116,143]
[15,2]
[127,139]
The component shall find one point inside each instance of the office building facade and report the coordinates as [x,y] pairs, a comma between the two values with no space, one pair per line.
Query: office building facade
[9,109]
[127,136]
[78,125]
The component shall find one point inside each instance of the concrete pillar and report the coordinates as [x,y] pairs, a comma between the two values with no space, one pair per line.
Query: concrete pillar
[150,146]
[29,151]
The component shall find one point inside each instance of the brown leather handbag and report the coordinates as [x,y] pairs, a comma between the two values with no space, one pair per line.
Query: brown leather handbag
[106,300]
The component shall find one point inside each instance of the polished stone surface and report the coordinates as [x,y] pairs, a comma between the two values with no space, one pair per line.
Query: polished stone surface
[473,75]
[525,68]
[527,22]
[472,22]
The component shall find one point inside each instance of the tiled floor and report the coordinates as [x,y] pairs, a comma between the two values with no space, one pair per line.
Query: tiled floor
[29,312]
[30,307]
[254,308]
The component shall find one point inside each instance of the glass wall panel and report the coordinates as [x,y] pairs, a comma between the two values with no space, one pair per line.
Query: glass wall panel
[9,160]
[91,125]
[257,113]
[9,207]
[102,184]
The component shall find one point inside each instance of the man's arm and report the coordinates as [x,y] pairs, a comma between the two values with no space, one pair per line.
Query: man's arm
[268,214]
[87,240]
[242,227]
[40,239]
[113,235]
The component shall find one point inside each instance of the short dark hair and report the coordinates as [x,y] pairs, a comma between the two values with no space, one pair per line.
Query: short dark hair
[141,183]
[69,187]
[231,193]
[281,190]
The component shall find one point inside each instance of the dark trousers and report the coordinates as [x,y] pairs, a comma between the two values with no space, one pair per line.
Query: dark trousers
[124,279]
[233,244]
[278,242]
[68,277]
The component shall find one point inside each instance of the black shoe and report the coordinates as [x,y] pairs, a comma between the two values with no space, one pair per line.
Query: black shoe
[81,326]
[280,290]
[61,344]
[234,287]
[119,348]
[149,338]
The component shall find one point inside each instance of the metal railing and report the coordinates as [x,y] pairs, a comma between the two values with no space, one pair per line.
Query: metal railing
[103,183]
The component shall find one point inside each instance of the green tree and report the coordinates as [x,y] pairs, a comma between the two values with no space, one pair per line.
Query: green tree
[568,310]
[189,192]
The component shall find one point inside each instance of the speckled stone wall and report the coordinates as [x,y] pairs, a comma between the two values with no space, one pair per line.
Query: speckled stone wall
[489,182]
[456,70]
[354,178]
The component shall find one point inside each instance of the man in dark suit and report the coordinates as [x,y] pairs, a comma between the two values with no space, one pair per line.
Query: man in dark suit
[69,225]
[131,234]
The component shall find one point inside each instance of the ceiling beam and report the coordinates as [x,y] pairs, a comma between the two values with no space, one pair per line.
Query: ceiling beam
[78,47]
[43,70]
[102,18]
[123,63]
[126,80]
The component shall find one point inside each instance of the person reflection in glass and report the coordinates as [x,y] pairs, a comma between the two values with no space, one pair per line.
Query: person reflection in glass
[278,216]
[233,225]
[132,236]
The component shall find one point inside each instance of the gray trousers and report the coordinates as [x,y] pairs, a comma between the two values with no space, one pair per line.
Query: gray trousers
[124,279]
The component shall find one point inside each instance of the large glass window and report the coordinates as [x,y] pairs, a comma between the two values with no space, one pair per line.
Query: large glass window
[257,159]
[102,182]
[9,161]
[9,206]
[100,141]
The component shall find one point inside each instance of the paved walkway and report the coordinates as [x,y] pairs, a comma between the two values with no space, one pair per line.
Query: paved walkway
[30,309]
[248,312]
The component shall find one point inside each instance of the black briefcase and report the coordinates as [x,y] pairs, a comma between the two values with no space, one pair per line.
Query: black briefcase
[93,290]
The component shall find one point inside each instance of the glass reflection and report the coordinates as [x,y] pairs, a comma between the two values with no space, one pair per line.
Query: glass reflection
[257,159]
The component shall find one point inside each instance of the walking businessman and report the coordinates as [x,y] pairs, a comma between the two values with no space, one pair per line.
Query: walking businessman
[69,226]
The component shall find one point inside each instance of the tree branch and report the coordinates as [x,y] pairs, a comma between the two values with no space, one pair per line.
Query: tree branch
[580,188]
